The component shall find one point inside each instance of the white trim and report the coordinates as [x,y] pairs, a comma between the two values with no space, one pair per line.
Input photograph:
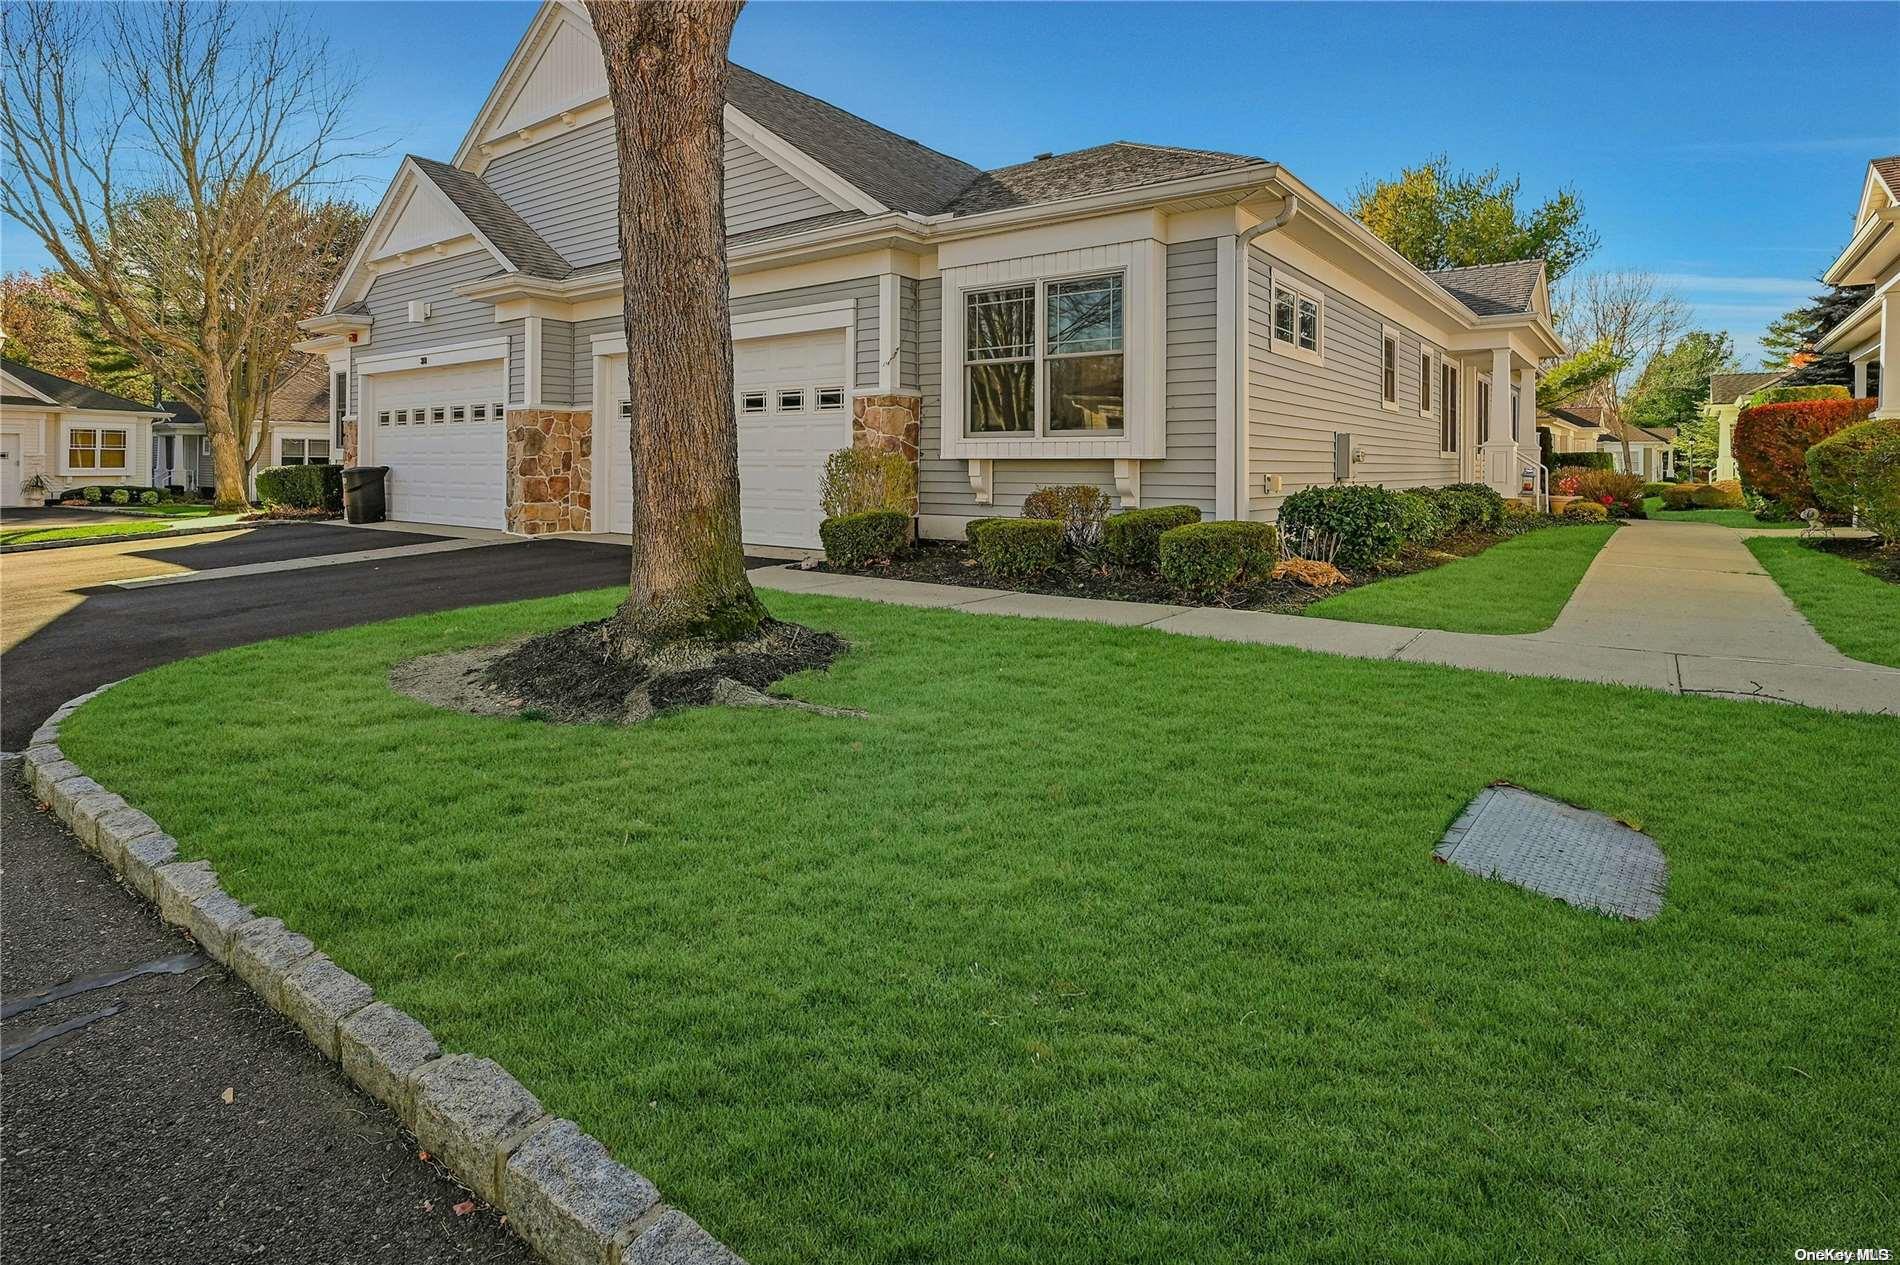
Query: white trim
[433,357]
[842,314]
[1397,338]
[24,389]
[1291,348]
[820,178]
[362,262]
[531,362]
[1230,449]
[889,333]
[1429,358]
[72,422]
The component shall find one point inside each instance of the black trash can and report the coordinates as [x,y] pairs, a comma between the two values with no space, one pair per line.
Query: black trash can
[363,500]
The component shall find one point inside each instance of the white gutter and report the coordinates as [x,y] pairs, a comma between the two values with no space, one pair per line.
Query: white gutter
[1233,482]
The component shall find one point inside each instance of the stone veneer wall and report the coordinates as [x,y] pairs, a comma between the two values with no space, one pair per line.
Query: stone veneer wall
[349,443]
[550,471]
[890,422]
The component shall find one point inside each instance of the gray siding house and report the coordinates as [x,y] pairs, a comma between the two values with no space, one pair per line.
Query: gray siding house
[1173,325]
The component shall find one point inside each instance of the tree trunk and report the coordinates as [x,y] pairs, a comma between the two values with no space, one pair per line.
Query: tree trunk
[666,73]
[227,463]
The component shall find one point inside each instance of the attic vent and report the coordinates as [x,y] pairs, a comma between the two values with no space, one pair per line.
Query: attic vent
[1049,154]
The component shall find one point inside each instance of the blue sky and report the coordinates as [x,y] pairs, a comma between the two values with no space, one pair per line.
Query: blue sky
[1721,145]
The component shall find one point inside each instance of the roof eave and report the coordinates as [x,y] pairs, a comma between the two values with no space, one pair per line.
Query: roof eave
[1868,235]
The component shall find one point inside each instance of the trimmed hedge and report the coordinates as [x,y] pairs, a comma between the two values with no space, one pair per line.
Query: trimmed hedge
[1364,517]
[855,540]
[1585,460]
[1133,537]
[148,497]
[1081,508]
[120,496]
[1726,495]
[301,487]
[1858,469]
[1210,558]
[1679,496]
[1772,442]
[1655,489]
[1587,510]
[1017,548]
[1462,505]
[1795,395]
[970,528]
[1420,519]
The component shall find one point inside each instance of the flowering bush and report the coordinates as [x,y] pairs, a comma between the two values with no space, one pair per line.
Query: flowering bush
[1567,484]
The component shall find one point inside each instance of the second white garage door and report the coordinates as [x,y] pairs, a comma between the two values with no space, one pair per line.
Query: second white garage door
[441,433]
[793,403]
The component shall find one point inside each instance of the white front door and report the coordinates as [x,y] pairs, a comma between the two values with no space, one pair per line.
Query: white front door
[441,433]
[11,493]
[792,397]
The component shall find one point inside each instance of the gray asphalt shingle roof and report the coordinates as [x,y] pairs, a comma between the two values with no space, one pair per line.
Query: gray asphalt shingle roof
[1889,169]
[65,392]
[1098,169]
[526,249]
[1726,388]
[899,172]
[1504,289]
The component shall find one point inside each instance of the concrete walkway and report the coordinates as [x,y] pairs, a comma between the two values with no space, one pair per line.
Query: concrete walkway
[1683,608]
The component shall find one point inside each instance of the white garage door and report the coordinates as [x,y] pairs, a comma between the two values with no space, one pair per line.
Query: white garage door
[793,404]
[440,432]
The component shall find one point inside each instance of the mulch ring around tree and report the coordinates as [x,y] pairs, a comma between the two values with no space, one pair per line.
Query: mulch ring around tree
[955,562]
[572,675]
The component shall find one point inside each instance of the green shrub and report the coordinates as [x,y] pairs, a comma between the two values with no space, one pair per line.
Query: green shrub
[121,497]
[1796,395]
[1621,494]
[1680,496]
[859,480]
[1474,506]
[1210,558]
[92,494]
[1420,520]
[1133,537]
[970,528]
[1858,470]
[1655,489]
[1081,508]
[1017,548]
[301,487]
[1772,442]
[148,497]
[1590,510]
[856,540]
[1726,495]
[1585,460]
[1364,518]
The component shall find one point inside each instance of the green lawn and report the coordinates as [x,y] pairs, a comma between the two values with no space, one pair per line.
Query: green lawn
[36,535]
[1853,611]
[1519,586]
[174,510]
[1653,506]
[1092,944]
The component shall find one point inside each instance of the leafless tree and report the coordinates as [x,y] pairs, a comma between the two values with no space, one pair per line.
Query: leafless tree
[666,74]
[167,156]
[1634,316]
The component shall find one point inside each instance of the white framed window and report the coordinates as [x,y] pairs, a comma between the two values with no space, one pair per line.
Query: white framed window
[382,417]
[1046,358]
[626,410]
[1389,368]
[1517,428]
[96,448]
[829,399]
[1297,317]
[458,412]
[1427,371]
[204,445]
[495,411]
[402,417]
[791,401]
[302,452]
[438,413]
[752,402]
[1448,407]
[339,401]
[1484,409]
[478,412]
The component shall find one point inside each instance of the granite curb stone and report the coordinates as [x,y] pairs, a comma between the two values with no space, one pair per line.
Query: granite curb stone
[565,1193]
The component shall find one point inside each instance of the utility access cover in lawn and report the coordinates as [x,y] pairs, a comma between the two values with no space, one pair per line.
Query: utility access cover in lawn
[1580,857]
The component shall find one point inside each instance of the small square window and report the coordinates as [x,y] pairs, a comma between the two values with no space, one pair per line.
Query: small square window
[830,399]
[402,417]
[458,413]
[791,401]
[495,411]
[626,410]
[439,414]
[478,412]
[752,402]
[382,417]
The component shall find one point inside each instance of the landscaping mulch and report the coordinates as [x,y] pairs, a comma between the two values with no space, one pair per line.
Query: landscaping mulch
[574,675]
[955,562]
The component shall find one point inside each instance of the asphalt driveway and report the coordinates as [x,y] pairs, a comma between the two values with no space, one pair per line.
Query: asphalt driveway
[119,1139]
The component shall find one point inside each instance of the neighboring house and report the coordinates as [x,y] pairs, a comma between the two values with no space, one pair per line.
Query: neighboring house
[1168,324]
[298,432]
[1584,428]
[67,434]
[1872,257]
[1726,393]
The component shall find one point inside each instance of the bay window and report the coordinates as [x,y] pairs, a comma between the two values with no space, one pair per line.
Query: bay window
[1045,358]
[95,448]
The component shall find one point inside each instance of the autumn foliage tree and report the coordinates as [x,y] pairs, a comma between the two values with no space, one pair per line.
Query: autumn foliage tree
[1440,218]
[1772,442]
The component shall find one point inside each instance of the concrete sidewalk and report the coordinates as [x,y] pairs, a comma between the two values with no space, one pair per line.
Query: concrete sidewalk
[1683,608]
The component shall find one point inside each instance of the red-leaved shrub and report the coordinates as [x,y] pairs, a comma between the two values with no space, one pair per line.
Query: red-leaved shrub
[1772,442]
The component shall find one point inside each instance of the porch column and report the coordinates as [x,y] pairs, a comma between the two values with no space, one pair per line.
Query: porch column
[1501,469]
[1889,405]
[1860,379]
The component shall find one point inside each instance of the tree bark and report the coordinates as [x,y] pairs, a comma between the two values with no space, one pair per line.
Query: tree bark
[666,74]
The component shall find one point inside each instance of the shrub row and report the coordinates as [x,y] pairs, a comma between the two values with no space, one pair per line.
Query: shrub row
[856,540]
[301,487]
[1017,548]
[1772,442]
[1209,558]
[1582,460]
[1371,522]
[1133,537]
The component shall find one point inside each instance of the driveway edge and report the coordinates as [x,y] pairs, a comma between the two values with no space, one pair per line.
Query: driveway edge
[35,546]
[562,1191]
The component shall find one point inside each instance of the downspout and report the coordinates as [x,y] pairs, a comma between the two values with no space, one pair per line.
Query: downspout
[1243,321]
